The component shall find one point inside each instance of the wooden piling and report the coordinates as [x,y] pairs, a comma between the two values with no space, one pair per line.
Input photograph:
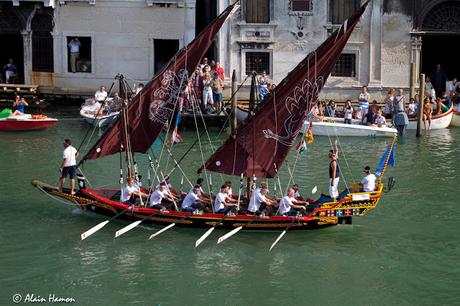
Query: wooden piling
[420,104]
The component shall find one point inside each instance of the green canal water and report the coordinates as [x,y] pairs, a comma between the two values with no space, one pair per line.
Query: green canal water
[404,252]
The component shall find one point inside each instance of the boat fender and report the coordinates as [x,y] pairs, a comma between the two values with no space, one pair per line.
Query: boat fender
[81,181]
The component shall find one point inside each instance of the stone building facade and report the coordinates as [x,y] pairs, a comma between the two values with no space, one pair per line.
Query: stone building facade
[393,43]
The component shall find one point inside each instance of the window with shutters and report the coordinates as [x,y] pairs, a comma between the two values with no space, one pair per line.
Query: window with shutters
[345,66]
[340,10]
[257,11]
[258,62]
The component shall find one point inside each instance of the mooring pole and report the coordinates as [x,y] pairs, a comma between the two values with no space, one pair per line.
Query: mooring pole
[420,104]
[234,103]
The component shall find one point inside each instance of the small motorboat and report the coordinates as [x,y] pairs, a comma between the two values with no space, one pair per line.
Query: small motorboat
[92,115]
[333,128]
[26,122]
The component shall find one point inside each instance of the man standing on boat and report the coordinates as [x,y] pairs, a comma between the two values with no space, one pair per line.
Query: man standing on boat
[68,165]
[334,173]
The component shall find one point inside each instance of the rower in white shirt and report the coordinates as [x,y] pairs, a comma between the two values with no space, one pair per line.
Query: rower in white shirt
[192,200]
[259,201]
[222,203]
[156,199]
[131,192]
[288,204]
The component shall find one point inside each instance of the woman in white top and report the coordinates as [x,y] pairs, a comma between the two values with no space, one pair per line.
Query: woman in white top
[363,100]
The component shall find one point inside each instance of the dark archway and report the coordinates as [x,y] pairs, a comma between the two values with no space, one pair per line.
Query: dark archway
[441,25]
[11,25]
[206,11]
[42,42]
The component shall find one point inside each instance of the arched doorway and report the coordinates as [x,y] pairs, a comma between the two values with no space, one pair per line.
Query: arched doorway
[11,25]
[441,28]
[42,42]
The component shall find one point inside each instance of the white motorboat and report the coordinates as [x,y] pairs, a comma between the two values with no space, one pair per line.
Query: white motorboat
[98,120]
[441,121]
[332,128]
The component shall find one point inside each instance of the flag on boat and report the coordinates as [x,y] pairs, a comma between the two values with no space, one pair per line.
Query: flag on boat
[175,137]
[391,160]
[309,133]
[301,147]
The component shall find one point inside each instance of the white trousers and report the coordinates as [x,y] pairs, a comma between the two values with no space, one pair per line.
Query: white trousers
[333,190]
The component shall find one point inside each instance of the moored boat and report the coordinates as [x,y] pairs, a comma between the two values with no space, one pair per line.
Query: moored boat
[26,122]
[455,119]
[256,149]
[334,128]
[98,120]
[440,121]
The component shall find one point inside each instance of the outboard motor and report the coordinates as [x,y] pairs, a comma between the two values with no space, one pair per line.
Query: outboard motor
[391,183]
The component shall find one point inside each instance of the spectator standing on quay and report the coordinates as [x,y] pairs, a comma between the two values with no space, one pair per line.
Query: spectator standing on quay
[74,48]
[207,90]
[401,121]
[10,71]
[217,88]
[363,100]
[439,78]
[263,83]
[389,103]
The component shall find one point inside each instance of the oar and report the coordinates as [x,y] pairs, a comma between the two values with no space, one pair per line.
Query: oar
[234,231]
[282,234]
[132,225]
[102,224]
[313,191]
[168,227]
[209,231]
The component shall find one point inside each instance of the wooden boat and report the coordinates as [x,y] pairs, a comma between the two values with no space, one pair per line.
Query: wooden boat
[252,140]
[336,128]
[441,121]
[26,122]
[455,119]
[98,120]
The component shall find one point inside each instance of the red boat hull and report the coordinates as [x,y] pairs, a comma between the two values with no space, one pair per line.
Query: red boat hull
[26,125]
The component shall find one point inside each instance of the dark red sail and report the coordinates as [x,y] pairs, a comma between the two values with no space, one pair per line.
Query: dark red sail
[151,110]
[262,143]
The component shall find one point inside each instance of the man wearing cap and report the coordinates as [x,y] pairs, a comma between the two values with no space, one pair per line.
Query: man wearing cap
[68,165]
[369,180]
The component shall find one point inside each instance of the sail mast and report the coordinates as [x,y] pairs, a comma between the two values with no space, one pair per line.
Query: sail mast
[124,125]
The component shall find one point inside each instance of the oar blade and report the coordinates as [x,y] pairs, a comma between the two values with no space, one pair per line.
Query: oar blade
[229,234]
[93,230]
[313,191]
[278,239]
[162,230]
[205,235]
[127,228]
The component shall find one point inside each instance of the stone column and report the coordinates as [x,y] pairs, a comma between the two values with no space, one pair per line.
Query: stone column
[57,51]
[375,44]
[27,46]
[189,21]
[416,48]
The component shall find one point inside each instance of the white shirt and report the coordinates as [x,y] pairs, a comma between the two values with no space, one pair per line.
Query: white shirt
[69,156]
[157,197]
[256,199]
[74,47]
[127,191]
[190,199]
[219,201]
[380,120]
[285,204]
[100,95]
[369,182]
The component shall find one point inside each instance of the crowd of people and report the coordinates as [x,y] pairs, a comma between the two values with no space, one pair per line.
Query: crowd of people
[207,82]
[395,107]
